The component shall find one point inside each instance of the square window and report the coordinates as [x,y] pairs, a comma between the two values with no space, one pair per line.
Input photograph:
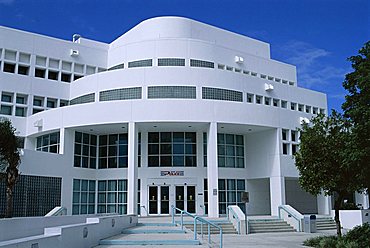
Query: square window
[53,75]
[6,110]
[308,109]
[38,102]
[40,73]
[66,77]
[267,101]
[6,97]
[51,103]
[23,70]
[9,68]
[40,61]
[75,77]
[21,99]
[20,111]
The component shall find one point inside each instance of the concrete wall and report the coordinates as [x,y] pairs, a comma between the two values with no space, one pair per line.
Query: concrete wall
[351,218]
[259,197]
[299,199]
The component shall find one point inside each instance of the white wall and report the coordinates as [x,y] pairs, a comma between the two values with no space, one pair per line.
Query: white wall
[299,199]
[259,197]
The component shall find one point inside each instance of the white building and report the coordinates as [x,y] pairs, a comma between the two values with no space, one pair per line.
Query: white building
[173,112]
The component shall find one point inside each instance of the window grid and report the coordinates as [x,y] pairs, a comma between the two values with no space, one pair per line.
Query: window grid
[48,143]
[112,196]
[120,94]
[83,199]
[222,94]
[85,150]
[113,151]
[140,63]
[230,193]
[230,150]
[117,67]
[159,92]
[201,63]
[172,149]
[171,62]
[83,99]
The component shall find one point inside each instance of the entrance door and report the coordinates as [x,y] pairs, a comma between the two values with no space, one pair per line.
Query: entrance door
[185,198]
[165,199]
[153,202]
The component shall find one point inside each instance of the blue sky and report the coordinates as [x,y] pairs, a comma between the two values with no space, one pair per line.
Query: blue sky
[316,36]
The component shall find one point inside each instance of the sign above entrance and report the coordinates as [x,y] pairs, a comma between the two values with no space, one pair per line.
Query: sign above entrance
[172,173]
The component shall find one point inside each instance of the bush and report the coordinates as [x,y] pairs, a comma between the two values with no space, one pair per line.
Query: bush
[358,237]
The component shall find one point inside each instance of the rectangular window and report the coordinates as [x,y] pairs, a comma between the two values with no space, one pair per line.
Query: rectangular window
[66,77]
[293,106]
[254,74]
[63,103]
[285,148]
[40,73]
[294,137]
[222,94]
[229,68]
[85,150]
[48,143]
[308,109]
[117,67]
[6,110]
[51,103]
[140,63]
[21,99]
[258,99]
[120,94]
[76,76]
[7,97]
[294,149]
[221,67]
[201,63]
[185,92]
[90,70]
[83,197]
[113,151]
[171,62]
[300,107]
[53,75]
[284,104]
[41,61]
[83,99]
[171,149]
[230,148]
[38,101]
[230,193]
[267,101]
[21,112]
[315,110]
[23,70]
[112,196]
[10,55]
[66,66]
[250,98]
[246,72]
[285,134]
[10,68]
[275,102]
[205,149]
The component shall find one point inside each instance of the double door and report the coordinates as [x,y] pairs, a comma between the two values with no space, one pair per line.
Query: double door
[162,197]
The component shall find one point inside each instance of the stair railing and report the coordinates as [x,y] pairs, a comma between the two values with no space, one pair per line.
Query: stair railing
[234,216]
[286,212]
[196,219]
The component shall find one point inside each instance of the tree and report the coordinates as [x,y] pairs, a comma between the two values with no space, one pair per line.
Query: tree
[357,105]
[9,162]
[324,159]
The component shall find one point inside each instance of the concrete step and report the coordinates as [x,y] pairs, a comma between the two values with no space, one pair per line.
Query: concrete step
[227,228]
[150,242]
[269,225]
[155,224]
[152,231]
[325,224]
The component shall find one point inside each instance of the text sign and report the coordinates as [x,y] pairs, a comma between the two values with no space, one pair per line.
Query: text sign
[172,173]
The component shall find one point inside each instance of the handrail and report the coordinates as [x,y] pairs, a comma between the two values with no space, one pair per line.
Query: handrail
[235,216]
[196,218]
[299,220]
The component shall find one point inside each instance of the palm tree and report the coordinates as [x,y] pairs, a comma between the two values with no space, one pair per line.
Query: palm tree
[9,162]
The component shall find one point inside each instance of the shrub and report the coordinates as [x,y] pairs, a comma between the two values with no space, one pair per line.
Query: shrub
[359,235]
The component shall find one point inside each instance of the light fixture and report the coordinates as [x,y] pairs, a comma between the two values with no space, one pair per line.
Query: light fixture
[154,126]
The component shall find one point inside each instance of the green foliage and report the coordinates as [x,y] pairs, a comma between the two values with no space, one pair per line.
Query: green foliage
[357,107]
[358,237]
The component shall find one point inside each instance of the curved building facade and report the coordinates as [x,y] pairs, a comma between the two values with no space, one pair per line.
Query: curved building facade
[173,112]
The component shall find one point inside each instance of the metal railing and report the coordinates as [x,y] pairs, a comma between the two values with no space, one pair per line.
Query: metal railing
[234,215]
[196,219]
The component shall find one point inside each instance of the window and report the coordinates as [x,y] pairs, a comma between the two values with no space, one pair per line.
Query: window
[48,143]
[291,83]
[120,94]
[38,101]
[263,76]
[285,148]
[51,103]
[205,192]
[20,111]
[112,196]
[254,74]
[40,73]
[186,92]
[221,67]
[7,97]
[201,63]
[83,99]
[293,106]
[230,193]
[230,149]
[76,76]
[294,149]
[205,149]
[113,151]
[54,63]
[140,63]
[79,68]
[258,99]
[294,136]
[9,68]
[83,197]
[322,111]
[85,150]
[315,110]
[229,68]
[285,81]
[237,70]
[23,70]
[284,104]
[267,100]
[275,102]
[66,66]
[6,110]
[139,150]
[167,149]
[270,78]
[10,55]
[278,80]
[66,77]
[285,134]
[246,72]
[300,107]
[171,62]
[41,61]
[222,94]
[250,98]
[90,70]
[35,111]
[116,67]
[308,109]
[63,103]
[53,75]
[21,99]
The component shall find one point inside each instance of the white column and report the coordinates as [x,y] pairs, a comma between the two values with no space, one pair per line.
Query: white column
[212,170]
[363,199]
[277,193]
[61,140]
[132,170]
[323,204]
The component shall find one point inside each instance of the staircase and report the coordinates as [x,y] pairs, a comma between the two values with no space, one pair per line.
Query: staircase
[227,227]
[269,225]
[325,223]
[151,234]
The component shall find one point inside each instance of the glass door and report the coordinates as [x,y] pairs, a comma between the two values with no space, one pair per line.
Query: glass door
[190,199]
[179,190]
[153,199]
[165,199]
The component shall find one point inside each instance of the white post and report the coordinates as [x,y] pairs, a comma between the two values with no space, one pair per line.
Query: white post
[132,170]
[61,140]
[277,193]
[323,204]
[212,170]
